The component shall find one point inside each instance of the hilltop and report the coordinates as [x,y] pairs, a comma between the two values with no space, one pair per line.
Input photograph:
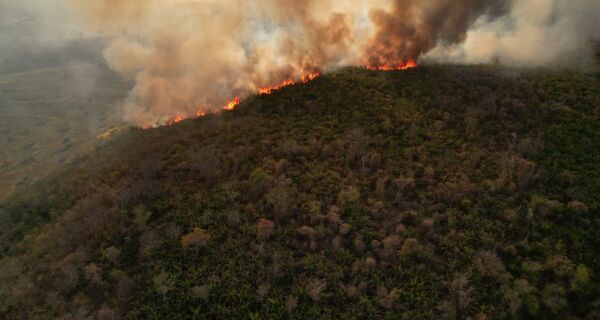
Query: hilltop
[438,192]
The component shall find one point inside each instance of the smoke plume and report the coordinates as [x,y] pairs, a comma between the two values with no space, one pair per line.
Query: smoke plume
[412,27]
[190,56]
[534,33]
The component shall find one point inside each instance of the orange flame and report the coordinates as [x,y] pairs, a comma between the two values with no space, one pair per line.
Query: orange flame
[176,119]
[310,77]
[286,83]
[271,89]
[231,105]
[200,114]
[409,64]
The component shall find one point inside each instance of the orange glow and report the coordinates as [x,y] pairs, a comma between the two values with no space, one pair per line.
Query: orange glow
[231,105]
[176,119]
[310,77]
[286,83]
[271,89]
[400,66]
[200,114]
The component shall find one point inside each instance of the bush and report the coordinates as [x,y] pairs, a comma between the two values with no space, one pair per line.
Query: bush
[196,239]
[264,229]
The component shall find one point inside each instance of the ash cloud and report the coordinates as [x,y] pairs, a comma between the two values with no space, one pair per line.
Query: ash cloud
[412,27]
[192,56]
[534,33]
[187,56]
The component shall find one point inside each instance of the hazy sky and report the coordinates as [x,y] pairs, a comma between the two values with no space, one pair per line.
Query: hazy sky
[38,33]
[34,22]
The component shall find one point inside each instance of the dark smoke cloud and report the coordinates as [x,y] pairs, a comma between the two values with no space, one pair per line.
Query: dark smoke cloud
[413,27]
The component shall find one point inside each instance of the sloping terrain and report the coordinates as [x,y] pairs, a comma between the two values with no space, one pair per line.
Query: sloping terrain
[50,115]
[438,192]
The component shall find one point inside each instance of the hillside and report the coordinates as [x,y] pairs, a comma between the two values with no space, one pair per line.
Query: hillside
[50,115]
[441,192]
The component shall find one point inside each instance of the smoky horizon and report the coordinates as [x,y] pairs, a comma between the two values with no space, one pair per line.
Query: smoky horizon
[193,57]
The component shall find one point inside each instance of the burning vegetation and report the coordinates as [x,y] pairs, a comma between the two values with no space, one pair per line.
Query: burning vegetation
[271,89]
[188,56]
[232,105]
[181,71]
[480,189]
[409,64]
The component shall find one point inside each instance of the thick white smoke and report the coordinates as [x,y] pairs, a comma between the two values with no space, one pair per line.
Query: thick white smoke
[534,33]
[191,56]
[187,56]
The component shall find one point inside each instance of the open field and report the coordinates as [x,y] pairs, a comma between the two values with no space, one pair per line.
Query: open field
[50,115]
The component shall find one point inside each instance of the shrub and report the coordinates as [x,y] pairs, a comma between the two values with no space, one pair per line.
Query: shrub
[163,283]
[554,298]
[196,239]
[233,218]
[460,293]
[543,206]
[315,288]
[560,265]
[488,264]
[125,286]
[386,298]
[307,232]
[578,206]
[291,303]
[106,313]
[359,243]
[522,294]
[264,229]
[411,246]
[348,196]
[201,292]
[581,278]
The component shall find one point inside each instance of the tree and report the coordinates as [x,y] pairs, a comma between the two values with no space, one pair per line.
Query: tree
[196,239]
[264,229]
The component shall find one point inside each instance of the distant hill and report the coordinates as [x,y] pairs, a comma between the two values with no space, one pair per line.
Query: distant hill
[50,115]
[441,192]
[22,54]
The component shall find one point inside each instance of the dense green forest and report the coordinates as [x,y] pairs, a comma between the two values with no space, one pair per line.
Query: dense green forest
[441,192]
